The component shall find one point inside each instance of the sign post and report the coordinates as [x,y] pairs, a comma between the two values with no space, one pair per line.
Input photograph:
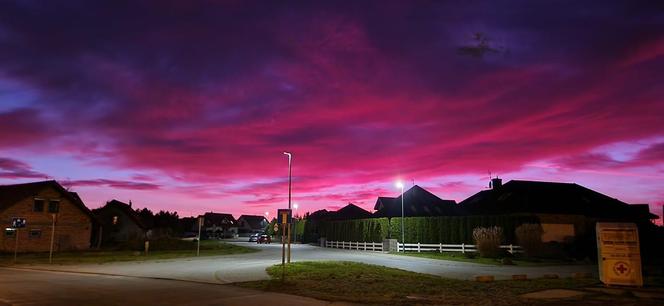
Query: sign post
[284,217]
[16,224]
[198,247]
[619,254]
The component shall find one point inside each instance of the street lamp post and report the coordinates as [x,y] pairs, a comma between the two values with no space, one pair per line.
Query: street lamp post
[403,235]
[290,158]
[295,206]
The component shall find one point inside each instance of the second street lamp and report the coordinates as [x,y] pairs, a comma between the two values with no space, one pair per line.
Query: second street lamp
[290,158]
[399,184]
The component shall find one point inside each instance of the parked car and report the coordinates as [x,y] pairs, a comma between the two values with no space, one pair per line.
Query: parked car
[264,239]
[254,237]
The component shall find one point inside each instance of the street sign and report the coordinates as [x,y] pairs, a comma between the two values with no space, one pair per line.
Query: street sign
[18,222]
[619,255]
[276,227]
[285,216]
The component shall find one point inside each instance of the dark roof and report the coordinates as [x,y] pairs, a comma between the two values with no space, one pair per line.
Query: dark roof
[417,202]
[11,194]
[349,212]
[547,198]
[321,214]
[127,210]
[217,219]
[255,222]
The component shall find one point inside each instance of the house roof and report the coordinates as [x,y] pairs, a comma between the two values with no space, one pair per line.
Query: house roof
[11,194]
[217,219]
[549,197]
[255,222]
[321,214]
[417,202]
[127,210]
[349,212]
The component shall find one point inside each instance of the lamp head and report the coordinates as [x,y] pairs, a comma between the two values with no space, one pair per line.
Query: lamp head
[399,184]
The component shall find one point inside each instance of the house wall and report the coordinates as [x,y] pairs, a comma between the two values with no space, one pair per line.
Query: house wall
[124,230]
[72,230]
[559,227]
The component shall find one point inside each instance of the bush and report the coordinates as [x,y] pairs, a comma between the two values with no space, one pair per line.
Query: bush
[487,240]
[529,237]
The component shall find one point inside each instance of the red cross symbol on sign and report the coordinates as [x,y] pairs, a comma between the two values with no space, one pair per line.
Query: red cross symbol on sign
[621,268]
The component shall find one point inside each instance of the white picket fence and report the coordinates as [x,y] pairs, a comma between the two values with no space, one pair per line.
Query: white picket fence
[440,247]
[350,245]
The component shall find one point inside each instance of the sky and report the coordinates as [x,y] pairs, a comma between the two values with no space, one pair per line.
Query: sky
[189,105]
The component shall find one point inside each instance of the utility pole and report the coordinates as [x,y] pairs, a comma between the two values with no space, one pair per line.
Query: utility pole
[16,244]
[50,253]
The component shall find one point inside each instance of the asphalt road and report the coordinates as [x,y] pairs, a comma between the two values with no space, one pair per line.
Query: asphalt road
[24,287]
[246,267]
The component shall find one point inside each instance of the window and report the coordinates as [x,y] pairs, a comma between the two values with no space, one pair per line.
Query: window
[9,232]
[115,220]
[35,233]
[53,206]
[38,206]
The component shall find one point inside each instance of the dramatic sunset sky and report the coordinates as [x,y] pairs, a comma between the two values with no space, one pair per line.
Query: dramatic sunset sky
[188,106]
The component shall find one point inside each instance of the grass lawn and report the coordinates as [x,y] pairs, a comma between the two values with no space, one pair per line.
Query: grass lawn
[362,283]
[178,249]
[517,261]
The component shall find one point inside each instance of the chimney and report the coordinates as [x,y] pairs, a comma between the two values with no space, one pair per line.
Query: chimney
[496,183]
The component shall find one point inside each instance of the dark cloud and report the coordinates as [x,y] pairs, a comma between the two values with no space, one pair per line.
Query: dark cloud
[360,91]
[15,169]
[112,183]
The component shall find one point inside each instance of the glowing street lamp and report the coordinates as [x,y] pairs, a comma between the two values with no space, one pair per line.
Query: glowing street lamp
[399,184]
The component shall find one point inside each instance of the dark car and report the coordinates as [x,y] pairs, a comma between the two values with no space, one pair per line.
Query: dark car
[254,237]
[264,239]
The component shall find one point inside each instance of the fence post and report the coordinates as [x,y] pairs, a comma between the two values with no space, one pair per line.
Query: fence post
[365,245]
[418,247]
[463,248]
[440,246]
[511,249]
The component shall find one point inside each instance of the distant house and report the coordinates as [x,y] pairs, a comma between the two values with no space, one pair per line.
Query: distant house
[217,225]
[248,224]
[564,209]
[349,212]
[120,223]
[417,202]
[40,203]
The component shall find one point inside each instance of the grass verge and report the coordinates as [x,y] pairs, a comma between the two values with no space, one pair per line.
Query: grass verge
[362,283]
[183,249]
[517,261]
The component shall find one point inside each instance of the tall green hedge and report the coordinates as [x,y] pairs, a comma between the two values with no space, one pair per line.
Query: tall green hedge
[446,229]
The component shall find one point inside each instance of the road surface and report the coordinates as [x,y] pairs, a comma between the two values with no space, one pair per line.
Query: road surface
[25,287]
[246,267]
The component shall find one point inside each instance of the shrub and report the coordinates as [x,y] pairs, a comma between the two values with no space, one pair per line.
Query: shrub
[529,237]
[487,240]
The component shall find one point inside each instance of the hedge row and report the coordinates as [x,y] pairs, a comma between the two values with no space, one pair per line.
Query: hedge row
[453,230]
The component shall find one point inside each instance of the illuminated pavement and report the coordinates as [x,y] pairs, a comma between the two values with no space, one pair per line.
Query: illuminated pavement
[246,267]
[21,287]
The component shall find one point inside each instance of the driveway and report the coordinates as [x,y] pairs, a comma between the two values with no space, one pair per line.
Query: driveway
[246,267]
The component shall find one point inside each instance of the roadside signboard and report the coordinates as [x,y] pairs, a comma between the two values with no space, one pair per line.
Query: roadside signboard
[619,255]
[284,216]
[18,222]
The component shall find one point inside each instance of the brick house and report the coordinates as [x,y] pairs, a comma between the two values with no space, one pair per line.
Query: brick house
[42,203]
